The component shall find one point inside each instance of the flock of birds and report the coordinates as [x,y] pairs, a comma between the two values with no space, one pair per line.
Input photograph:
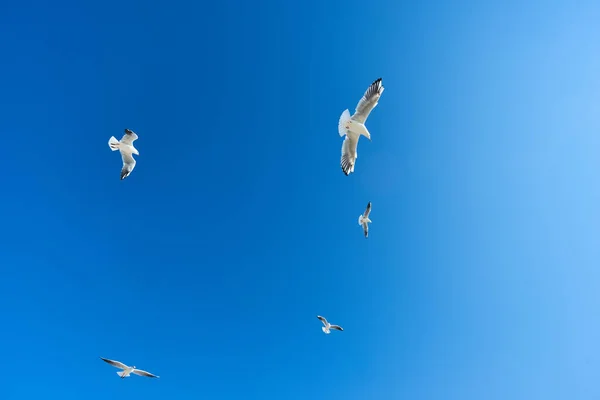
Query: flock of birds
[350,126]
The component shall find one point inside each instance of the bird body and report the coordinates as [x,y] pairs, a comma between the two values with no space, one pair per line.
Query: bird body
[356,129]
[126,372]
[362,219]
[123,147]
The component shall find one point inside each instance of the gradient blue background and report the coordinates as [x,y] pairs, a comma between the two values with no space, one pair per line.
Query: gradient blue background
[209,264]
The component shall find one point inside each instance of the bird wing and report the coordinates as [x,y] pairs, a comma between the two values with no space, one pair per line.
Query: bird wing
[115,363]
[367,211]
[337,327]
[128,164]
[349,153]
[143,373]
[366,229]
[368,101]
[129,137]
[323,320]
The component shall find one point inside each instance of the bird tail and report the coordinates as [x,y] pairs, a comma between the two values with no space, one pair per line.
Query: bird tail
[344,118]
[113,143]
[361,219]
[121,373]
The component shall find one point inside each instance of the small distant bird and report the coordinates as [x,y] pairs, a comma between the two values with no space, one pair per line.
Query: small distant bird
[125,146]
[354,126]
[364,220]
[128,370]
[328,326]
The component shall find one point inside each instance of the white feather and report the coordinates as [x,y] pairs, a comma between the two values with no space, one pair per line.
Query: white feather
[113,143]
[344,118]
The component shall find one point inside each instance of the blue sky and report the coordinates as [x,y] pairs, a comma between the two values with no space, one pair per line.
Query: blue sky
[209,264]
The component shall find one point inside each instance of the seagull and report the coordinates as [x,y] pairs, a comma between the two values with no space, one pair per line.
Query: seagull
[125,146]
[328,326]
[128,370]
[364,220]
[354,126]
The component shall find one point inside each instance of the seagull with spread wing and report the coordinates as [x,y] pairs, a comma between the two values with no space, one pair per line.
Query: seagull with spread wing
[127,370]
[364,220]
[354,126]
[125,146]
[328,326]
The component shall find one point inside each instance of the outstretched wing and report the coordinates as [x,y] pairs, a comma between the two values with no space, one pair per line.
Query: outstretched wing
[336,327]
[323,320]
[143,373]
[349,153]
[114,363]
[128,164]
[367,211]
[129,137]
[366,229]
[368,101]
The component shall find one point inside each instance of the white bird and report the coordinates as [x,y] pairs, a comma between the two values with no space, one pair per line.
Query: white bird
[128,370]
[125,146]
[354,126]
[328,326]
[364,220]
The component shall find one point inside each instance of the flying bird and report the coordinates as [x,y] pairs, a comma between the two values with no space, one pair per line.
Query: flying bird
[354,126]
[128,370]
[364,220]
[328,326]
[125,146]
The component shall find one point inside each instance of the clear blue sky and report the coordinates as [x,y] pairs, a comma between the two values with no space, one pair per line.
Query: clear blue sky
[208,265]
